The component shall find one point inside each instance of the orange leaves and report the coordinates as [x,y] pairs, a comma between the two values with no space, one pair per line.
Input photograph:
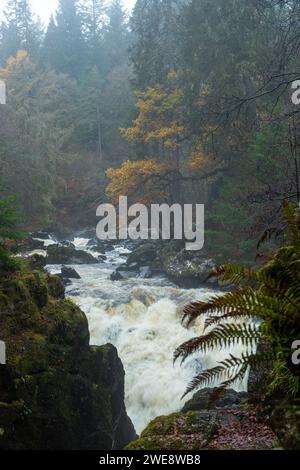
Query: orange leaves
[14,64]
[143,178]
[199,160]
[159,117]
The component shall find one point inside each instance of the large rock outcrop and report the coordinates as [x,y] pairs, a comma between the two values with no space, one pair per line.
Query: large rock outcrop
[56,392]
[228,423]
[63,254]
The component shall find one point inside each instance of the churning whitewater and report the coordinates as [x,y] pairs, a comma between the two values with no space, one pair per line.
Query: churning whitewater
[142,318]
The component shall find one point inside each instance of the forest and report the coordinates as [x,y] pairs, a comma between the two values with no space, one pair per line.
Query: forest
[184,101]
[173,102]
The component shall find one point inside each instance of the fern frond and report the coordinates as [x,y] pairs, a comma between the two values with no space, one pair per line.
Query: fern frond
[217,319]
[271,295]
[229,371]
[285,380]
[231,301]
[238,274]
[223,336]
[266,237]
[213,375]
[238,377]
[234,273]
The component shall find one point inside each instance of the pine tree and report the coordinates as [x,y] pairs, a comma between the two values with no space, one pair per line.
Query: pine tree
[90,126]
[155,51]
[116,36]
[64,47]
[20,31]
[93,15]
[49,56]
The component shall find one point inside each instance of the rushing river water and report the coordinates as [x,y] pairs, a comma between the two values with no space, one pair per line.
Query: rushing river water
[142,318]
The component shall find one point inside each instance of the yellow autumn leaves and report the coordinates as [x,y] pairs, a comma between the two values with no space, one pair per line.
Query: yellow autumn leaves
[160,127]
[158,117]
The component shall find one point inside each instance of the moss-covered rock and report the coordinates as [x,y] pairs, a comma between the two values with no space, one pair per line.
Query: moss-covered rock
[285,421]
[61,254]
[176,432]
[143,255]
[229,424]
[207,399]
[56,392]
[185,268]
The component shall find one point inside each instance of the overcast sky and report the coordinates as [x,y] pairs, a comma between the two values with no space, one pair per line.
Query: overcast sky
[44,8]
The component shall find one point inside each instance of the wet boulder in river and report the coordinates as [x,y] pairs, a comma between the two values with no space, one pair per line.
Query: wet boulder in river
[145,272]
[143,255]
[69,273]
[187,269]
[58,254]
[41,235]
[116,276]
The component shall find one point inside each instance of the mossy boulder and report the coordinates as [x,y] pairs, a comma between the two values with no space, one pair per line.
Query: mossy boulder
[56,392]
[176,432]
[143,255]
[220,429]
[285,421]
[185,268]
[37,261]
[208,422]
[207,399]
[61,254]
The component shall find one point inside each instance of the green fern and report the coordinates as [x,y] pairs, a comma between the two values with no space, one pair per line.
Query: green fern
[223,336]
[264,308]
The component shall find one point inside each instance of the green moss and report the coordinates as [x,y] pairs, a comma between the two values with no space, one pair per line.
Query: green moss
[56,287]
[162,425]
[18,291]
[55,391]
[159,443]
[66,323]
[177,431]
[37,286]
[145,444]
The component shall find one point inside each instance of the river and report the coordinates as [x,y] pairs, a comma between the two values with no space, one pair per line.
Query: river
[142,318]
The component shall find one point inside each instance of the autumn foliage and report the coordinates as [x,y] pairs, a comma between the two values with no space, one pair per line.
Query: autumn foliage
[160,129]
[143,178]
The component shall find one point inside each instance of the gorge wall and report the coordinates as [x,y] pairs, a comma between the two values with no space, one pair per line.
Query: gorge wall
[56,392]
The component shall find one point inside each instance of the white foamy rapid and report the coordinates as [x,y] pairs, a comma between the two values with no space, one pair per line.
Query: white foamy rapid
[142,319]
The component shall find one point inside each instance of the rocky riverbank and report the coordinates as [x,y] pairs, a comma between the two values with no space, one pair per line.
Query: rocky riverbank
[228,420]
[56,392]
[186,269]
[228,423]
